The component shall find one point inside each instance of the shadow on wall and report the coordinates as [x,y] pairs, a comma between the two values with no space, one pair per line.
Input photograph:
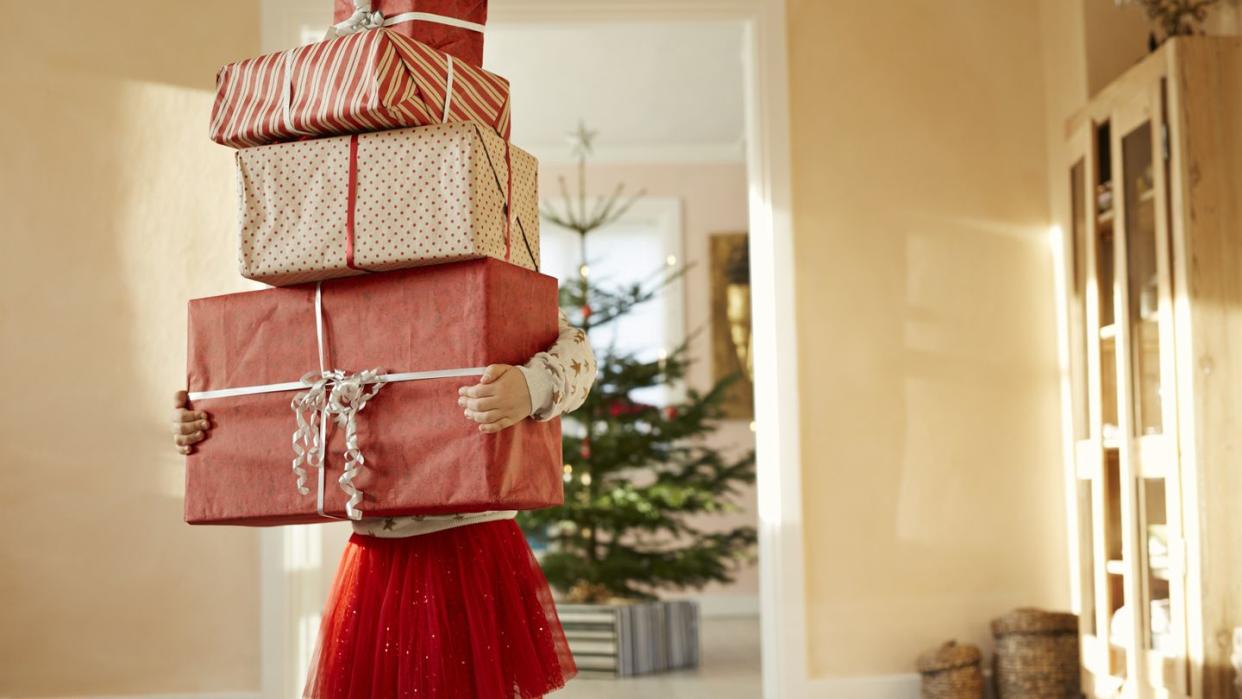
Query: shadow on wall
[116,209]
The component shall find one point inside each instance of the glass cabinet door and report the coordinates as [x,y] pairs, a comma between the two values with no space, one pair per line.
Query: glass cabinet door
[1091,296]
[1142,280]
[1149,417]
[1112,594]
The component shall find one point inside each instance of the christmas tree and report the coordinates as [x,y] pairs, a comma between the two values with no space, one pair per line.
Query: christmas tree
[639,478]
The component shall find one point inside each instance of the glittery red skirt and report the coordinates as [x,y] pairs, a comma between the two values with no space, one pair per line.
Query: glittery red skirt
[463,613]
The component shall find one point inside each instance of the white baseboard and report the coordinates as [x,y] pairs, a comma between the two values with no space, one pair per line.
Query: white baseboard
[879,687]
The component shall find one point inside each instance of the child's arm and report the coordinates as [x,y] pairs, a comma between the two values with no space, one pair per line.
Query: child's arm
[553,382]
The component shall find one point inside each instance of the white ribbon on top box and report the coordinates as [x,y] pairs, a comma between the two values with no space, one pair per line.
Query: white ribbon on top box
[338,207]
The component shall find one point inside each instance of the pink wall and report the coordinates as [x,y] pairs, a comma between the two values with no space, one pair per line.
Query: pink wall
[713,200]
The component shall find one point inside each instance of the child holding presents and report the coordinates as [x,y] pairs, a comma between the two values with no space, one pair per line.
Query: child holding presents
[448,607]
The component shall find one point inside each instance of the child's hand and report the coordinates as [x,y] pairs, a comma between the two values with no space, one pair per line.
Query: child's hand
[500,399]
[189,426]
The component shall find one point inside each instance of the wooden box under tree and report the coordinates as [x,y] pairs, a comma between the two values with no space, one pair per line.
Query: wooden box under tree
[1153,285]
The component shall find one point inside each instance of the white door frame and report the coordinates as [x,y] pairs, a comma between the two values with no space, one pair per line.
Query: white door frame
[779,470]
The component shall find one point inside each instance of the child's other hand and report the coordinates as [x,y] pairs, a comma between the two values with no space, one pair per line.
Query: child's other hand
[189,426]
[500,399]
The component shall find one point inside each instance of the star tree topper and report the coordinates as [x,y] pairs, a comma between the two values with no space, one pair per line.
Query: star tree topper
[604,211]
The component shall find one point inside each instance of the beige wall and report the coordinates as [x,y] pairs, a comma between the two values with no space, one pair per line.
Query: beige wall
[114,209]
[927,336]
[713,200]
[1064,52]
[1115,39]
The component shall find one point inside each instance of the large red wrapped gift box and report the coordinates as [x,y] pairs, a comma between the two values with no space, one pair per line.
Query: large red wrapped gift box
[368,81]
[422,456]
[452,26]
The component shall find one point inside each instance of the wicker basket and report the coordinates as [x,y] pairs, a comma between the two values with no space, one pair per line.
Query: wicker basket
[1036,655]
[952,671]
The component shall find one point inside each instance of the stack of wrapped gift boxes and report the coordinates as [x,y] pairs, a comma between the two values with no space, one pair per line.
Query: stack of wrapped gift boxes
[380,195]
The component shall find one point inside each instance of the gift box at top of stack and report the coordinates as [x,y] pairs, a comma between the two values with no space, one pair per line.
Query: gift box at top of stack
[382,148]
[452,26]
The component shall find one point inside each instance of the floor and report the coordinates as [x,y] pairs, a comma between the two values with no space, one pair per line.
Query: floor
[729,670]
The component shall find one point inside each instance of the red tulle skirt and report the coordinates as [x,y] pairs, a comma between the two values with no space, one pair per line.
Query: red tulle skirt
[461,613]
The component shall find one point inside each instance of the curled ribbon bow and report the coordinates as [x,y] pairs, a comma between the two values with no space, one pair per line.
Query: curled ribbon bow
[361,20]
[338,396]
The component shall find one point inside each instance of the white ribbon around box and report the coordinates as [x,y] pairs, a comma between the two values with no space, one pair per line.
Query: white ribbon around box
[335,393]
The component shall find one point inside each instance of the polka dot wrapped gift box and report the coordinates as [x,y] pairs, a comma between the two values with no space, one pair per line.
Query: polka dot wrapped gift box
[337,207]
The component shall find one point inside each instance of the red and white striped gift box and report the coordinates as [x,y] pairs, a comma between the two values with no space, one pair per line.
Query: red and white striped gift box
[369,81]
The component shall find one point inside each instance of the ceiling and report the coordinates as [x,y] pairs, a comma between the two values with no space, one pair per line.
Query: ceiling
[653,91]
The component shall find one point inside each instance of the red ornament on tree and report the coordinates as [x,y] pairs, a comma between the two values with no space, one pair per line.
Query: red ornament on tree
[670,413]
[620,407]
[585,450]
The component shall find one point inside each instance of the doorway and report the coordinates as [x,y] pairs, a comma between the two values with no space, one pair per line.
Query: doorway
[298,562]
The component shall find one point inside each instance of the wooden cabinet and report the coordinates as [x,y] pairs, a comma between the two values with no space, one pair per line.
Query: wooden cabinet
[1153,287]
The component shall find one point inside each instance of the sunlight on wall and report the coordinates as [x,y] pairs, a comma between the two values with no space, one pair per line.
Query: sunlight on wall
[933,493]
[959,374]
[302,548]
[117,209]
[305,585]
[162,240]
[1057,248]
[308,633]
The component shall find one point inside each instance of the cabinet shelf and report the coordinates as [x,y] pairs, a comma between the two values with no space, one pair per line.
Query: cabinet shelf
[1087,456]
[1119,568]
[1086,471]
[1153,471]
